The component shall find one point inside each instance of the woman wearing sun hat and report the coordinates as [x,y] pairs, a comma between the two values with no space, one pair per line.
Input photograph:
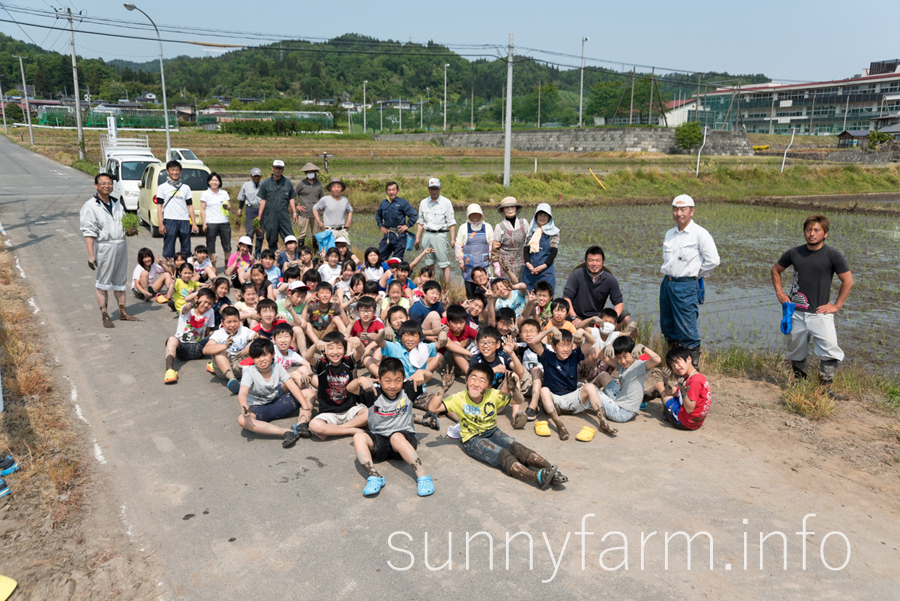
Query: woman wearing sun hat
[473,245]
[542,243]
[509,239]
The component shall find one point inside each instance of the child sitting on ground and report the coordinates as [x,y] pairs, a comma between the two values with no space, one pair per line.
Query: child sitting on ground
[394,298]
[367,324]
[460,336]
[477,408]
[290,274]
[228,346]
[392,433]
[203,265]
[350,295]
[268,318]
[291,306]
[419,358]
[506,323]
[321,316]
[399,272]
[480,282]
[474,308]
[308,262]
[539,299]
[149,278]
[603,329]
[268,393]
[290,256]
[247,306]
[262,285]
[429,310]
[509,295]
[685,410]
[273,272]
[534,373]
[221,287]
[559,310]
[503,362]
[561,389]
[372,268]
[331,269]
[194,321]
[623,397]
[426,274]
[185,288]
[395,318]
[340,413]
[239,263]
[293,363]
[311,278]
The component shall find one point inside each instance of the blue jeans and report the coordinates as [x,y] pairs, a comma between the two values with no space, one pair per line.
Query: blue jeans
[678,311]
[488,446]
[611,410]
[180,229]
[392,245]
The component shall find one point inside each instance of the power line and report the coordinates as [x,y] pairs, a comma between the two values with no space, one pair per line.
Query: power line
[17,23]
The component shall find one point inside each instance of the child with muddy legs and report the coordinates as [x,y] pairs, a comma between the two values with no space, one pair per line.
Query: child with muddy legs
[391,434]
[268,393]
[505,365]
[561,390]
[477,408]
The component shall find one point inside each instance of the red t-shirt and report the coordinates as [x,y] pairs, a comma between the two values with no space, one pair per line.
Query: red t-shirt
[468,333]
[698,391]
[268,334]
[374,327]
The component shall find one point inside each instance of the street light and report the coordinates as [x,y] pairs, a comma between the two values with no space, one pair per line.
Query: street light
[365,81]
[445,96]
[162,74]
[581,93]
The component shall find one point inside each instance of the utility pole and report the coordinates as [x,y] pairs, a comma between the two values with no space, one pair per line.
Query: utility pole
[631,106]
[507,146]
[445,95]
[811,113]
[846,110]
[400,112]
[539,104]
[772,116]
[421,110]
[472,108]
[75,78]
[581,90]
[502,106]
[697,104]
[25,89]
[365,81]
[3,110]
[652,80]
[381,111]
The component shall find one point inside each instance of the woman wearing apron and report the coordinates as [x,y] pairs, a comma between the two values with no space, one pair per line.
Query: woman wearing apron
[540,248]
[473,246]
[509,240]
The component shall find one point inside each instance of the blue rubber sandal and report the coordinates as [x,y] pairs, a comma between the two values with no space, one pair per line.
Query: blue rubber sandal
[8,465]
[425,486]
[373,486]
[234,386]
[4,489]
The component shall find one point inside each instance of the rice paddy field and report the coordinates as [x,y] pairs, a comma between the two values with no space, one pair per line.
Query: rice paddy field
[741,308]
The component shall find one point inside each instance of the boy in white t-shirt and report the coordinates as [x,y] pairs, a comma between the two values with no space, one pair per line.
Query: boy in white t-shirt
[228,346]
[204,267]
[194,321]
[603,329]
[295,364]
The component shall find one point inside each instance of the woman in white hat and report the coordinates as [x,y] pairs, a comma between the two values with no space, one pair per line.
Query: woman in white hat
[509,239]
[473,245]
[542,243]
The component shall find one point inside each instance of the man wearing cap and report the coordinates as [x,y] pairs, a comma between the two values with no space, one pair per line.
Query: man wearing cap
[276,205]
[334,212]
[689,255]
[248,196]
[394,217]
[309,191]
[436,218]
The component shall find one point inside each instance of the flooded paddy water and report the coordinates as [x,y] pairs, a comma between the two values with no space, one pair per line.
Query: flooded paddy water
[741,308]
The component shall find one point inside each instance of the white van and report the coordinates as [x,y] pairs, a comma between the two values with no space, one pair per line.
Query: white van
[183,156]
[126,172]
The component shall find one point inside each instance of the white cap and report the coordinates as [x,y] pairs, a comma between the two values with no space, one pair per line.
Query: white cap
[255,171]
[434,183]
[474,208]
[297,286]
[341,238]
[289,239]
[245,240]
[278,163]
[683,201]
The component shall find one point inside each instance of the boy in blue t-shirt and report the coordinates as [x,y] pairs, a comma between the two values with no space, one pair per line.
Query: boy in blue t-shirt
[561,389]
[273,273]
[428,310]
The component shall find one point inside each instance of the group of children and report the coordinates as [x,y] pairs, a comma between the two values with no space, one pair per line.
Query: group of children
[301,328]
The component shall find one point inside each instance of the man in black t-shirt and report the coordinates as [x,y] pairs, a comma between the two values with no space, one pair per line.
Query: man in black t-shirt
[815,266]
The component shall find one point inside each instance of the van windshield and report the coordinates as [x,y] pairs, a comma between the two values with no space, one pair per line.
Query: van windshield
[187,155]
[134,170]
[195,179]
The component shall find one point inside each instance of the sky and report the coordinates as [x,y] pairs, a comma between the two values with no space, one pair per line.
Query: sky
[787,40]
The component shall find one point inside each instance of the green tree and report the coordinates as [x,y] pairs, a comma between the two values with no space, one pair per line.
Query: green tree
[14,113]
[235,105]
[876,138]
[688,135]
[605,97]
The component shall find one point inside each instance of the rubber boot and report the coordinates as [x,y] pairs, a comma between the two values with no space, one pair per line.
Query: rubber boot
[695,357]
[800,369]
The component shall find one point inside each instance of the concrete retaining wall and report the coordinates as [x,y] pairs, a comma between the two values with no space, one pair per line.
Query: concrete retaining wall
[842,156]
[607,139]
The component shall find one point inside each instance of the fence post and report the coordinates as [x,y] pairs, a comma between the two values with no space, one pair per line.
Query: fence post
[705,127]
[793,130]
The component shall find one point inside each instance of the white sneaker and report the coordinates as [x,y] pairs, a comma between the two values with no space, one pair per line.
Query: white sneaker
[453,431]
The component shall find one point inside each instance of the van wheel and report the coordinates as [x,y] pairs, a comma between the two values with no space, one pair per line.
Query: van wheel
[154,231]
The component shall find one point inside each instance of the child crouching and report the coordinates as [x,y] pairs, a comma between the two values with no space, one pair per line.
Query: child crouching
[392,434]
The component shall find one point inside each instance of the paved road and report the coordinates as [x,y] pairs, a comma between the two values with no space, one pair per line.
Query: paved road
[233,515]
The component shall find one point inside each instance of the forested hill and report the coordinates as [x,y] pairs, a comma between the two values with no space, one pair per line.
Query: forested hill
[334,69]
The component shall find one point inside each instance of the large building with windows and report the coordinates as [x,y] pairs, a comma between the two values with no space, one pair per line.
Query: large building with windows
[822,108]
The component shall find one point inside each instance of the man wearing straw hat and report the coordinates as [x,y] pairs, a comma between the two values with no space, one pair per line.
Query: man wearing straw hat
[436,218]
[334,212]
[277,205]
[309,191]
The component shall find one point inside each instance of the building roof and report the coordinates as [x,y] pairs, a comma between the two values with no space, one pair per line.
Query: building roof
[770,87]
[891,129]
[674,104]
[855,133]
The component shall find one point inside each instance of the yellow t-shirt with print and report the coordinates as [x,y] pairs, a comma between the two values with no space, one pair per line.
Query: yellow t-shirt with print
[476,418]
[181,290]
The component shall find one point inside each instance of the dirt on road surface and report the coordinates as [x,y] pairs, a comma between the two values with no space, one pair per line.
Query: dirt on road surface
[190,507]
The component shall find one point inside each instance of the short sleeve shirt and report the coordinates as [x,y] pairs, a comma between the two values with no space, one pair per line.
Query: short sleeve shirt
[500,358]
[175,200]
[516,302]
[419,311]
[333,379]
[476,418]
[263,391]
[412,361]
[333,211]
[631,386]
[373,328]
[276,194]
[561,376]
[321,316]
[698,391]
[239,340]
[386,415]
[813,273]
[192,327]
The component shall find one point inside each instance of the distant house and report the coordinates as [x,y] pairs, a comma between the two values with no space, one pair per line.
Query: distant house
[214,109]
[893,130]
[146,98]
[350,106]
[395,103]
[325,102]
[677,111]
[307,102]
[850,138]
[185,111]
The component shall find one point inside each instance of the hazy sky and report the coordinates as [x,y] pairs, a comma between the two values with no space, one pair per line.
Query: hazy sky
[785,39]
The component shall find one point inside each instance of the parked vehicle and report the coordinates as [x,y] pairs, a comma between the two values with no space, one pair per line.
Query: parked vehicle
[126,172]
[194,176]
[183,156]
[114,145]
